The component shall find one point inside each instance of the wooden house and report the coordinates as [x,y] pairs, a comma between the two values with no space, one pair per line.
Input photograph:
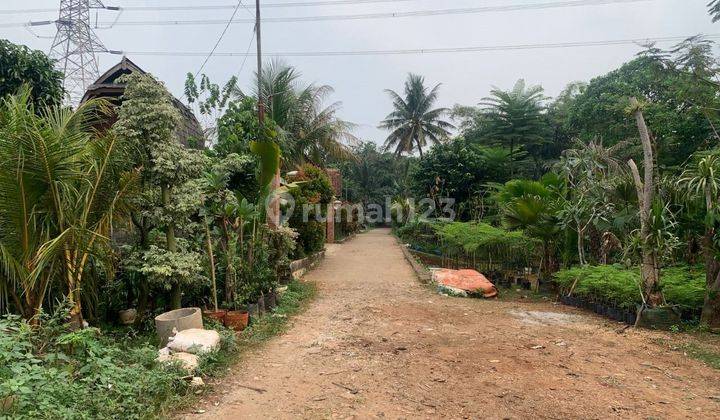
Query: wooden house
[106,86]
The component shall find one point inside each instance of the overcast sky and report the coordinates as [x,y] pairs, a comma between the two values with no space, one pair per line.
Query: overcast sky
[359,81]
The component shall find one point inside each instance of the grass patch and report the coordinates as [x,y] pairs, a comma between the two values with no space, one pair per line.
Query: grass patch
[709,356]
[51,372]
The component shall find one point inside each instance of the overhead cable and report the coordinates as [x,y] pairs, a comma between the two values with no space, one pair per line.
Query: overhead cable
[421,51]
[369,16]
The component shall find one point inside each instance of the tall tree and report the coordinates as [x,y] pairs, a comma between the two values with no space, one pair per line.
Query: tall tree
[461,170]
[414,122]
[147,120]
[646,196]
[681,105]
[515,118]
[21,66]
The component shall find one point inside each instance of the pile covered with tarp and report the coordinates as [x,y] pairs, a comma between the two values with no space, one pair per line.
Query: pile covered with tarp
[463,283]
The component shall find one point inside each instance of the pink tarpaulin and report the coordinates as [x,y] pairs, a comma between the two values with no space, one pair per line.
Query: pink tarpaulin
[469,281]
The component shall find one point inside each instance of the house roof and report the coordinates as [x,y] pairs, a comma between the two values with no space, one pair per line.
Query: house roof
[106,86]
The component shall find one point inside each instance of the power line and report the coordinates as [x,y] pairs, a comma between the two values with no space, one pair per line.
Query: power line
[421,51]
[247,52]
[226,6]
[220,38]
[366,16]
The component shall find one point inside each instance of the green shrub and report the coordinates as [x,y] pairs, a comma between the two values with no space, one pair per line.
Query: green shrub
[481,237]
[607,283]
[682,285]
[53,373]
[421,234]
[315,190]
[311,238]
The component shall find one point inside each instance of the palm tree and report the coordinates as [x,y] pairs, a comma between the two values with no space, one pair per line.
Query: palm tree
[531,206]
[61,187]
[515,117]
[701,179]
[714,8]
[312,132]
[414,122]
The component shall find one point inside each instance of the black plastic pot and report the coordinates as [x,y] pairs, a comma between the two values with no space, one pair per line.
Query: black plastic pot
[270,301]
[599,309]
[611,312]
[253,310]
[261,305]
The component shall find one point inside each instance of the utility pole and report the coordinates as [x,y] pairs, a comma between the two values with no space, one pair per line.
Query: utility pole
[75,45]
[273,209]
[258,41]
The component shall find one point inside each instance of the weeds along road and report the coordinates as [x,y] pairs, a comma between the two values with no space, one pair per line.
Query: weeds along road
[377,343]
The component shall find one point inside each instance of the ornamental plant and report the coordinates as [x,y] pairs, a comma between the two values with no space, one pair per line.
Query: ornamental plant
[147,119]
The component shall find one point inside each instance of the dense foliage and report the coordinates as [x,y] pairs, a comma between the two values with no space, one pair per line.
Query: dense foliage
[312,196]
[622,169]
[61,186]
[462,170]
[681,285]
[52,372]
[470,242]
[483,238]
[21,66]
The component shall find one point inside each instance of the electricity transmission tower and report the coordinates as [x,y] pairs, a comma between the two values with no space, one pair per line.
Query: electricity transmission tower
[75,46]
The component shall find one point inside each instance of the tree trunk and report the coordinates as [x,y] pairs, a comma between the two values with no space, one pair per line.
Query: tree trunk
[581,245]
[143,286]
[171,243]
[512,158]
[211,256]
[711,308]
[547,260]
[646,194]
[143,299]
[230,281]
[76,317]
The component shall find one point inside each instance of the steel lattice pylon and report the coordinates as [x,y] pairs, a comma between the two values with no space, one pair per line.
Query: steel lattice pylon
[75,46]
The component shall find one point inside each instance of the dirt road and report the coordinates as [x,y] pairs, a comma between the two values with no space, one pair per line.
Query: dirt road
[376,343]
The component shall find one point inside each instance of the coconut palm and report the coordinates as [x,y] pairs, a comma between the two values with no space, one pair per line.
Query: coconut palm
[414,123]
[61,186]
[312,132]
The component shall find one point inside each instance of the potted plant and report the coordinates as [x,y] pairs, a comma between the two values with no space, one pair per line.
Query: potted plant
[269,299]
[237,319]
